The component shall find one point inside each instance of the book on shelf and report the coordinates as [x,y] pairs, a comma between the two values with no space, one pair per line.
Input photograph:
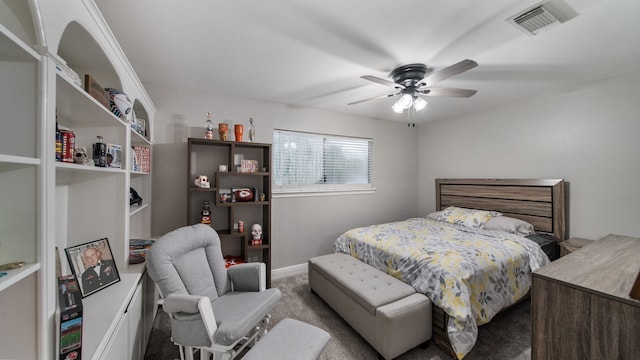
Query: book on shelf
[135,244]
[143,158]
[138,250]
[68,143]
[133,160]
[66,72]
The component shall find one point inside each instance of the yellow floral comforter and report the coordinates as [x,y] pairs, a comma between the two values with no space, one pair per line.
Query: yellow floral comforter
[470,273]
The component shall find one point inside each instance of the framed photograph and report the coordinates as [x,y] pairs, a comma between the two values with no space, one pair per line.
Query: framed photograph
[114,156]
[225,196]
[141,126]
[92,263]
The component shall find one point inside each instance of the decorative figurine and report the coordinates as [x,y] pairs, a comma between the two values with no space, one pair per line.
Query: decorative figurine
[202,181]
[223,130]
[252,130]
[256,234]
[80,156]
[263,196]
[206,213]
[209,127]
[134,197]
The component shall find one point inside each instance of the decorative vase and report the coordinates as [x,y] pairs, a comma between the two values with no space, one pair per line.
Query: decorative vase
[239,130]
[223,130]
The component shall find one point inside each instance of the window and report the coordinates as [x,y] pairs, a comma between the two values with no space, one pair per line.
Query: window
[318,163]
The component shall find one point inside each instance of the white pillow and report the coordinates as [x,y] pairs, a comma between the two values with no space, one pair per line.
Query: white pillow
[467,217]
[509,224]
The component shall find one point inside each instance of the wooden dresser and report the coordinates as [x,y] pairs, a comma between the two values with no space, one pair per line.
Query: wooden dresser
[581,308]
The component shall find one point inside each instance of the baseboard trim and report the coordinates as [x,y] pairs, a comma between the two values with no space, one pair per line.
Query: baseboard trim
[289,271]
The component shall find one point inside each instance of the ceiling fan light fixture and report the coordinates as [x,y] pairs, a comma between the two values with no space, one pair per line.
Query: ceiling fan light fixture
[419,103]
[397,107]
[410,83]
[406,101]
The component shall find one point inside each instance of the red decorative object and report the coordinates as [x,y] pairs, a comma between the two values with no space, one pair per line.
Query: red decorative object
[206,213]
[239,130]
[230,260]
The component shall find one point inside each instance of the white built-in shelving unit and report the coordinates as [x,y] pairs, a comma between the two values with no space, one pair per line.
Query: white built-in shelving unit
[48,206]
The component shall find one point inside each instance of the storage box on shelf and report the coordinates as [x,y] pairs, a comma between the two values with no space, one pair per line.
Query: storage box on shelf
[237,200]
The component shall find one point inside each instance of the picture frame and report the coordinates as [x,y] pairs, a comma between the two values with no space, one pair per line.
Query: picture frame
[93,279]
[141,126]
[226,196]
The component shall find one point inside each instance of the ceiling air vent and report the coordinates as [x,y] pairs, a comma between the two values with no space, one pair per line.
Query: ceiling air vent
[542,17]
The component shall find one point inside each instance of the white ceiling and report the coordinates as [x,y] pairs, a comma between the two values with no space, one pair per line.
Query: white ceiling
[312,53]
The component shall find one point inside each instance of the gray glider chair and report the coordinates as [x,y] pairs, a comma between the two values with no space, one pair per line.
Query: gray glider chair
[217,310]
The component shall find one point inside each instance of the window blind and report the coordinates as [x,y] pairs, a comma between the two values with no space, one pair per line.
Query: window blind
[311,162]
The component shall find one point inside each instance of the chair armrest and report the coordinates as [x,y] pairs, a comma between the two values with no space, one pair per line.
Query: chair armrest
[248,277]
[184,303]
[192,304]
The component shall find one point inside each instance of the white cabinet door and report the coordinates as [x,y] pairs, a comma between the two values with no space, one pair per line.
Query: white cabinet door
[117,349]
[136,328]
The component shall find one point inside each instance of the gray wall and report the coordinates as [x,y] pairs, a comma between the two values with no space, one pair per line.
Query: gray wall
[302,227]
[588,135]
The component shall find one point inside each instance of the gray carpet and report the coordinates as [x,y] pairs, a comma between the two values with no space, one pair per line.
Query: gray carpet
[507,337]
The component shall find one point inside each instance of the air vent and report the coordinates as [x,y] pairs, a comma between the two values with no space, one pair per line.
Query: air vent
[542,17]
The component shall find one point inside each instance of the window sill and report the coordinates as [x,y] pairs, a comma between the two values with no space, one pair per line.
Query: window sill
[290,194]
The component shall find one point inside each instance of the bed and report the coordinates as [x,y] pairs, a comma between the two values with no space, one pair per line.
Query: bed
[469,271]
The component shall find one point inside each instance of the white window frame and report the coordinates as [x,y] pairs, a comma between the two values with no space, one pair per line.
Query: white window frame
[321,189]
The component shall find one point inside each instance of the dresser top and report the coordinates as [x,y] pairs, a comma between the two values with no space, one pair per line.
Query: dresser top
[608,266]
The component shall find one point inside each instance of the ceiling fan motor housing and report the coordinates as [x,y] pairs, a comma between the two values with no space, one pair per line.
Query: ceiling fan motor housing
[408,75]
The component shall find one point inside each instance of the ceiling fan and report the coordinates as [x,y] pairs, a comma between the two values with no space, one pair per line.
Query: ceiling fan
[410,82]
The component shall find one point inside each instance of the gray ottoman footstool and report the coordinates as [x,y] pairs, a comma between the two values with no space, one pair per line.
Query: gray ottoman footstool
[389,314]
[290,340]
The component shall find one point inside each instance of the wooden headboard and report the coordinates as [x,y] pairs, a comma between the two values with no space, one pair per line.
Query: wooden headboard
[537,201]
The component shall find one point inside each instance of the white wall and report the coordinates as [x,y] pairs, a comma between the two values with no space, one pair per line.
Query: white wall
[301,227]
[587,135]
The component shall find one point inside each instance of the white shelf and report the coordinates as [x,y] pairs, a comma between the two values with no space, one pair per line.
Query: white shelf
[16,275]
[71,167]
[49,204]
[133,172]
[136,209]
[9,162]
[77,106]
[137,139]
[12,48]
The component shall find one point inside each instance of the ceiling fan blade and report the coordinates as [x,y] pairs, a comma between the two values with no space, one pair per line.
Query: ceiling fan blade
[372,98]
[447,72]
[447,92]
[382,81]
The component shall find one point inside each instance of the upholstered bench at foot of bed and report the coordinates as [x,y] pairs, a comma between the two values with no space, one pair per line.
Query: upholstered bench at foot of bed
[290,340]
[389,314]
